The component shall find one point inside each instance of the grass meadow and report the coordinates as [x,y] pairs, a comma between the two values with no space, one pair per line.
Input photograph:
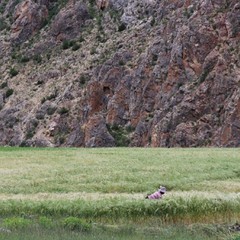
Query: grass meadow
[78,193]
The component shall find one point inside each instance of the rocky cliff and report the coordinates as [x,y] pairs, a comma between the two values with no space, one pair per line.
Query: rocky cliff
[120,73]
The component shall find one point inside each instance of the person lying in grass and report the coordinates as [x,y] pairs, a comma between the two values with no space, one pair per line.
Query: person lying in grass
[158,194]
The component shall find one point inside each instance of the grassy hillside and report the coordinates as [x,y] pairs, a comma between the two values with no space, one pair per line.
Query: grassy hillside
[106,187]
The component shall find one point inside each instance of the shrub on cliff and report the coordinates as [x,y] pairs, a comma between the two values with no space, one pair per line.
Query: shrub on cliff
[13,72]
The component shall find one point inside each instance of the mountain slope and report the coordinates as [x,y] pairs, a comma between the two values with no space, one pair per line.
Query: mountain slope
[120,73]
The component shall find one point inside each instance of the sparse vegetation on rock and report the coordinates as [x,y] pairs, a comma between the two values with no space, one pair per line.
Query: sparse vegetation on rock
[9,92]
[170,70]
[13,72]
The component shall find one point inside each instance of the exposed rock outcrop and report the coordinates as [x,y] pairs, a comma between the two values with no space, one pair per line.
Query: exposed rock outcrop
[69,21]
[140,73]
[28,18]
[96,133]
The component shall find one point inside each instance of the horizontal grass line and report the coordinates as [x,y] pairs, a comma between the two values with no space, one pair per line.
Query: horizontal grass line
[169,209]
[42,196]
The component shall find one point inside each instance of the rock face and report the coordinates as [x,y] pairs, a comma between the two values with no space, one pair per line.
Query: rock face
[154,73]
[28,19]
[69,21]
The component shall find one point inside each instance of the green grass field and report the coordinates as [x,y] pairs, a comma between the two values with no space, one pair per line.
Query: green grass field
[104,189]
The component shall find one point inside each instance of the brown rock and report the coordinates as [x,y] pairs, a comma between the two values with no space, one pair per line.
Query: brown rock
[28,19]
[96,133]
[68,22]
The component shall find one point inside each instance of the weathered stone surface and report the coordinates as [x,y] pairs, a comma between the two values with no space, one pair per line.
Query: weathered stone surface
[96,133]
[1,101]
[69,21]
[158,73]
[28,19]
[10,133]
[76,137]
[118,4]
[47,108]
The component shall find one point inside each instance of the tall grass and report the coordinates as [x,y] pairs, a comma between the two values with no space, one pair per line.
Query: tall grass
[169,210]
[107,186]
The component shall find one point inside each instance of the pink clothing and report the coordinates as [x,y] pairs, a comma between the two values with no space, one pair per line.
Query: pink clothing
[155,195]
